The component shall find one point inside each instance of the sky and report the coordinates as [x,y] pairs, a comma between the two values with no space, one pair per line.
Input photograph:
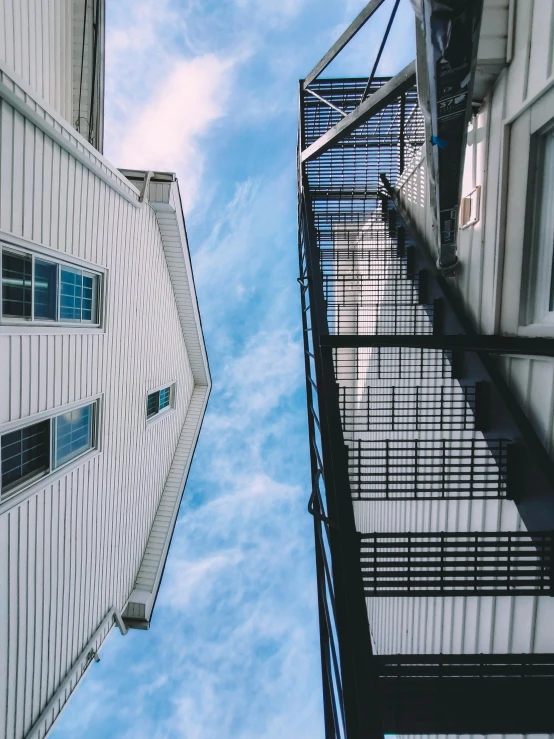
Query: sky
[208,89]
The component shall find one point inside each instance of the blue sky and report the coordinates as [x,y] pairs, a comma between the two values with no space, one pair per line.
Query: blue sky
[208,88]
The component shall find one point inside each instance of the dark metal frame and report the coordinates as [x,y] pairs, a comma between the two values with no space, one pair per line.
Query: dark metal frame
[339,192]
[441,564]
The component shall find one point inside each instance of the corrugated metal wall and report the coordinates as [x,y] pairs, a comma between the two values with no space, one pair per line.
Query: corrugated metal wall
[71,551]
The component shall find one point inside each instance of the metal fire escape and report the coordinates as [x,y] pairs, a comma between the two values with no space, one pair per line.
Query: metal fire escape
[406,403]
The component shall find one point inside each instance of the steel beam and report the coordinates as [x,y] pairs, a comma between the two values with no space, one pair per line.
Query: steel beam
[337,47]
[490,343]
[386,94]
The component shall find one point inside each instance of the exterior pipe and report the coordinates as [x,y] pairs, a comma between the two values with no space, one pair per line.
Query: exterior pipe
[90,652]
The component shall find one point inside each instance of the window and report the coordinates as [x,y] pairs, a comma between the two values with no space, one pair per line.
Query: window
[35,450]
[159,401]
[44,290]
[541,299]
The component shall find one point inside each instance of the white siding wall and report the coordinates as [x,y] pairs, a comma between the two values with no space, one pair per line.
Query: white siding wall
[35,41]
[73,549]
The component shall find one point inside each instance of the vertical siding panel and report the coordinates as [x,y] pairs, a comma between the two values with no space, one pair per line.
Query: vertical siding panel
[58,370]
[13,619]
[29,545]
[9,36]
[4,621]
[5,379]
[17,174]
[31,26]
[49,534]
[15,377]
[6,166]
[46,193]
[35,371]
[20,573]
[37,196]
[39,504]
[63,201]
[24,361]
[42,402]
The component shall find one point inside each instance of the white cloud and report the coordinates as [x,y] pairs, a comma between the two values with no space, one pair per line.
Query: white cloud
[167,134]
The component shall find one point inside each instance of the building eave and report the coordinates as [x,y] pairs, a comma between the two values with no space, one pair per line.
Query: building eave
[164,198]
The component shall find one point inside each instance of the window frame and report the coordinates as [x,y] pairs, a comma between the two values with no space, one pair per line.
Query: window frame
[168,408]
[74,265]
[29,483]
[541,284]
[524,265]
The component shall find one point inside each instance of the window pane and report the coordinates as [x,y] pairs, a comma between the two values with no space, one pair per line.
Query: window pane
[25,452]
[90,288]
[71,285]
[16,285]
[46,276]
[164,397]
[153,404]
[73,433]
[547,207]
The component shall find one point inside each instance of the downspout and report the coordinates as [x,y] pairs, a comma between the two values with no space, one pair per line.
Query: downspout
[88,655]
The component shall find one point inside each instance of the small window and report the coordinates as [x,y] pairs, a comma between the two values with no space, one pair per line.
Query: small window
[43,290]
[35,450]
[159,401]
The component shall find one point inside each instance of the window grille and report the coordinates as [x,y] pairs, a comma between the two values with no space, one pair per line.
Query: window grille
[43,290]
[25,453]
[159,401]
[484,563]
[39,448]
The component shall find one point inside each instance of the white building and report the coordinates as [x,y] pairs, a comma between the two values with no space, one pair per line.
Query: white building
[104,377]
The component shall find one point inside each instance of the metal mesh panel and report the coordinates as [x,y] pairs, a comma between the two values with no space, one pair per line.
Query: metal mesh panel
[495,563]
[392,408]
[406,469]
[391,363]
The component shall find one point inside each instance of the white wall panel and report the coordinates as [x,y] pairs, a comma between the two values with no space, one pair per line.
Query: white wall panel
[35,41]
[73,549]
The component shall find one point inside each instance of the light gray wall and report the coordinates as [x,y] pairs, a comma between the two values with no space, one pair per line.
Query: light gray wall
[35,41]
[72,549]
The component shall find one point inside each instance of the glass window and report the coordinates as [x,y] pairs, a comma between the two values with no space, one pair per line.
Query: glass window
[41,447]
[16,285]
[153,405]
[71,285]
[73,434]
[541,296]
[165,396]
[547,207]
[158,401]
[25,453]
[44,290]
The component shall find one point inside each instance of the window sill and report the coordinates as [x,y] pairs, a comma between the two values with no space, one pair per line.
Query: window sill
[537,329]
[17,497]
[43,329]
[158,417]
